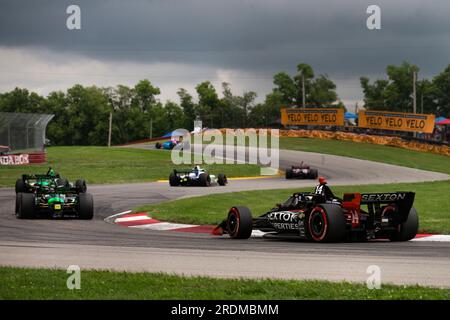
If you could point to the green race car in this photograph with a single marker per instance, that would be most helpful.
(52, 195)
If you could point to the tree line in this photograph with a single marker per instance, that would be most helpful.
(82, 113)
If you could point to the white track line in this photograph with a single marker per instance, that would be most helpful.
(435, 237)
(135, 218)
(118, 214)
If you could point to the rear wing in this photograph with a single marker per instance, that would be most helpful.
(403, 201)
(38, 176)
(182, 171)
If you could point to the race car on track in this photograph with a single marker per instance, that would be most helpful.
(50, 194)
(302, 171)
(168, 145)
(309, 216)
(196, 177)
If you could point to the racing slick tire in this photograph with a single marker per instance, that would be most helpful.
(313, 174)
(80, 185)
(326, 223)
(204, 179)
(86, 206)
(158, 145)
(26, 206)
(173, 180)
(289, 174)
(21, 186)
(408, 229)
(222, 179)
(240, 223)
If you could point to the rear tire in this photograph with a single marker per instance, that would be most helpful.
(158, 145)
(408, 229)
(63, 182)
(80, 185)
(326, 223)
(205, 180)
(86, 206)
(289, 174)
(173, 180)
(21, 186)
(240, 223)
(26, 206)
(222, 179)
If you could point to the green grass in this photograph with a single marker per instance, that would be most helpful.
(431, 202)
(113, 165)
(20, 283)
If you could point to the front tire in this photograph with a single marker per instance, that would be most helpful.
(222, 179)
(408, 229)
(326, 223)
(86, 206)
(313, 174)
(158, 145)
(240, 223)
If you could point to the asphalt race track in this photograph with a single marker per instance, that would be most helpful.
(100, 244)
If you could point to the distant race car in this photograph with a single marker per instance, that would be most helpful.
(302, 171)
(4, 150)
(168, 145)
(308, 216)
(196, 177)
(50, 194)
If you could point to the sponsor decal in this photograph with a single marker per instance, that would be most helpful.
(284, 220)
(312, 116)
(380, 197)
(14, 159)
(398, 121)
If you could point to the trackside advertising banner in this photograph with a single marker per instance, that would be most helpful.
(397, 121)
(312, 116)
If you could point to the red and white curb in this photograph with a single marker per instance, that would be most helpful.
(143, 221)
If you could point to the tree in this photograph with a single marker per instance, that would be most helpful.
(441, 88)
(322, 92)
(400, 88)
(319, 92)
(374, 94)
(286, 88)
(144, 95)
(174, 117)
(208, 101)
(188, 106)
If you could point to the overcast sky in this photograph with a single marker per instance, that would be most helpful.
(179, 43)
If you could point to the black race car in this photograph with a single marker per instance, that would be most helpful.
(302, 171)
(309, 216)
(196, 177)
(52, 195)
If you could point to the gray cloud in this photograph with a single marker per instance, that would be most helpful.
(257, 37)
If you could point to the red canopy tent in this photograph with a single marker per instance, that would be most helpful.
(441, 123)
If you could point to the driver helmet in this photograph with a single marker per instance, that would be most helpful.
(322, 180)
(51, 173)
